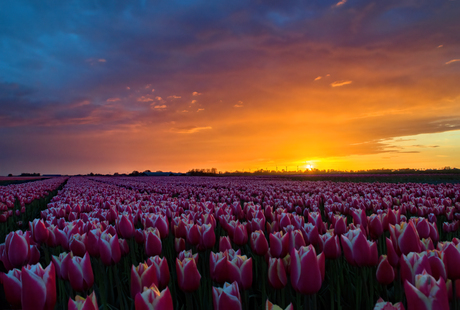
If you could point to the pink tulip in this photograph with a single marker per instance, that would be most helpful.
(80, 273)
(270, 306)
(40, 287)
(80, 303)
(385, 273)
(161, 268)
(405, 238)
(227, 298)
(188, 254)
(259, 243)
(218, 266)
(375, 224)
(276, 273)
(151, 299)
(310, 233)
(142, 276)
(60, 264)
(207, 237)
(17, 250)
(193, 234)
(393, 257)
(279, 244)
(152, 242)
(240, 270)
(240, 234)
(179, 244)
(438, 268)
(109, 248)
(224, 244)
(307, 270)
(39, 231)
(358, 250)
(92, 241)
(452, 260)
(77, 244)
(386, 305)
(157, 221)
(13, 286)
(427, 293)
(330, 245)
(315, 219)
(188, 276)
(413, 264)
(296, 239)
(125, 226)
(340, 224)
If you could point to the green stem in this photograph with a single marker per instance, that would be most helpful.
(189, 301)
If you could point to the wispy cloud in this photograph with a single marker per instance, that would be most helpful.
(195, 93)
(174, 97)
(340, 3)
(189, 130)
(200, 110)
(452, 61)
(144, 99)
(113, 99)
(160, 107)
(239, 104)
(340, 83)
(318, 78)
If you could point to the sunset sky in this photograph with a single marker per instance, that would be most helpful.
(176, 85)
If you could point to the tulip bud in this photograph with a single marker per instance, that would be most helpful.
(386, 305)
(188, 276)
(179, 244)
(80, 303)
(142, 276)
(427, 293)
(80, 273)
(276, 273)
(39, 287)
(259, 243)
(161, 268)
(151, 299)
(240, 270)
(385, 273)
(270, 306)
(224, 244)
(227, 297)
(279, 244)
(13, 287)
(152, 242)
(307, 270)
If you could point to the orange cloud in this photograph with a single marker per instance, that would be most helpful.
(318, 78)
(160, 107)
(452, 61)
(342, 2)
(190, 130)
(340, 83)
(239, 104)
(196, 93)
(144, 99)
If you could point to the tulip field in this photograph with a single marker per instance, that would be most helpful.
(228, 243)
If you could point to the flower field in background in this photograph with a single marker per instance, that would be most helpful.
(228, 243)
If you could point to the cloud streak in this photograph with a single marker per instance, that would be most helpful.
(340, 83)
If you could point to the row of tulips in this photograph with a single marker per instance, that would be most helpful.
(311, 256)
(20, 203)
